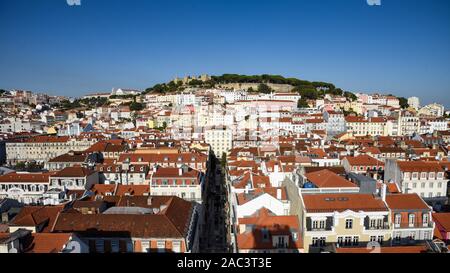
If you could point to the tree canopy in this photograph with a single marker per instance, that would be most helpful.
(403, 102)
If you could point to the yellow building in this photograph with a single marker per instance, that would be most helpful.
(343, 220)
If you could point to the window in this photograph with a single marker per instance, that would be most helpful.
(319, 224)
(318, 241)
(422, 185)
(425, 219)
(355, 240)
(415, 175)
(176, 246)
(414, 185)
(348, 223)
(373, 238)
(161, 245)
(99, 246)
(145, 246)
(411, 220)
(380, 239)
(347, 240)
(431, 175)
(114, 246)
(423, 175)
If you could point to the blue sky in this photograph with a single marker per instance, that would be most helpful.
(401, 47)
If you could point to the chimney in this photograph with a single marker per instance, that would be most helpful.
(279, 196)
(383, 192)
(180, 171)
(276, 168)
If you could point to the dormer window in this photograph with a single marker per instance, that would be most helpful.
(425, 219)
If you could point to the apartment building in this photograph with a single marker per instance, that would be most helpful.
(427, 179)
(160, 224)
(409, 123)
(43, 148)
(132, 174)
(27, 188)
(194, 160)
(343, 220)
(265, 232)
(411, 218)
(74, 178)
(335, 122)
(183, 182)
(221, 140)
(360, 126)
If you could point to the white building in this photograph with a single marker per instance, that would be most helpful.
(221, 140)
(427, 179)
(414, 102)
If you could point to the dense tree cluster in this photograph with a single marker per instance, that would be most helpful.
(264, 88)
(86, 102)
(163, 88)
(403, 102)
(309, 90)
(302, 103)
(136, 106)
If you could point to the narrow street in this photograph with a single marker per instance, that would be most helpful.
(214, 235)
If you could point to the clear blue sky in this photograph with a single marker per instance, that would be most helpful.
(400, 47)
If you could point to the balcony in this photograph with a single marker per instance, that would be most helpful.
(413, 225)
(384, 226)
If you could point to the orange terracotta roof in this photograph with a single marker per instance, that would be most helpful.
(328, 179)
(26, 177)
(75, 171)
(443, 219)
(419, 166)
(406, 201)
(363, 160)
(341, 202)
(275, 225)
(33, 216)
(48, 242)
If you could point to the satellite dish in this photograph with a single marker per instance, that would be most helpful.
(73, 247)
(13, 250)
